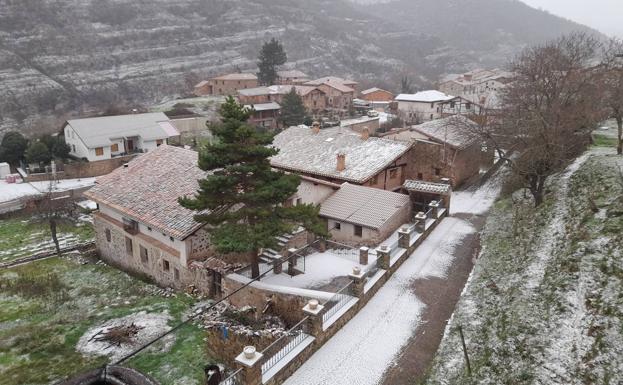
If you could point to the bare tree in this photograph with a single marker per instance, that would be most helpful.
(548, 112)
(53, 208)
(612, 82)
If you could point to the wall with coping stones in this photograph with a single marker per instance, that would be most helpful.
(225, 350)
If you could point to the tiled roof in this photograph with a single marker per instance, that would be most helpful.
(339, 84)
(428, 187)
(98, 132)
(457, 131)
(147, 189)
(373, 89)
(236, 76)
(291, 74)
(364, 206)
(301, 150)
(276, 90)
(425, 97)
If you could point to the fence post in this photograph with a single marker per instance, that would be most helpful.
(363, 255)
(420, 222)
(322, 245)
(314, 310)
(435, 206)
(250, 361)
(382, 260)
(358, 276)
(404, 237)
(278, 265)
(291, 260)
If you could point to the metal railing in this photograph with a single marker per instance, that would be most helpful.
(337, 301)
(234, 379)
(276, 351)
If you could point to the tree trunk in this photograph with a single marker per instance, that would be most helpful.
(54, 237)
(620, 135)
(537, 185)
(255, 264)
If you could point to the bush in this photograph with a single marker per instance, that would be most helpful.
(38, 152)
(12, 147)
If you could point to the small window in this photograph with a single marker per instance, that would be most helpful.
(432, 105)
(172, 239)
(108, 236)
(176, 274)
(468, 106)
(114, 147)
(420, 176)
(358, 231)
(148, 228)
(393, 174)
(338, 226)
(99, 151)
(165, 265)
(144, 254)
(74, 147)
(437, 171)
(128, 246)
(431, 117)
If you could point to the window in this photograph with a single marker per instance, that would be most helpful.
(176, 274)
(165, 265)
(148, 228)
(299, 201)
(358, 231)
(432, 105)
(393, 173)
(172, 239)
(108, 236)
(128, 246)
(338, 226)
(114, 147)
(420, 176)
(468, 106)
(437, 171)
(74, 147)
(99, 151)
(144, 254)
(431, 116)
(451, 104)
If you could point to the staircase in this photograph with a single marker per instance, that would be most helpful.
(270, 255)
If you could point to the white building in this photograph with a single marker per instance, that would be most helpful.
(422, 106)
(104, 137)
(479, 86)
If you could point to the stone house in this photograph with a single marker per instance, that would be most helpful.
(106, 137)
(422, 106)
(341, 155)
(291, 77)
(376, 95)
(228, 84)
(140, 226)
(359, 215)
(339, 93)
(313, 98)
(265, 115)
(446, 148)
(478, 86)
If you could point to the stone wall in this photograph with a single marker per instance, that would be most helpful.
(225, 350)
(77, 170)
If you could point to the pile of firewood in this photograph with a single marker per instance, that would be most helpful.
(117, 335)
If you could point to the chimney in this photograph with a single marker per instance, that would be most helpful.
(315, 127)
(365, 133)
(341, 162)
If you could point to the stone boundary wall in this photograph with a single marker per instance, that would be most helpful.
(77, 170)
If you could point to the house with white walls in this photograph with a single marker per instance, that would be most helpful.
(105, 137)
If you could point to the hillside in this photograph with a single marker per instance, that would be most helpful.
(80, 57)
(543, 305)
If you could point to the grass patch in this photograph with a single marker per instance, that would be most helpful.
(39, 327)
(604, 141)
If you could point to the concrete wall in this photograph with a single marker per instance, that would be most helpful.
(312, 193)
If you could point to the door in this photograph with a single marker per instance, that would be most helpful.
(130, 145)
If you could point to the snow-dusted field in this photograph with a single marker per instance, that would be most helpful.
(11, 191)
(367, 345)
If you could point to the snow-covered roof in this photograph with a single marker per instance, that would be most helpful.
(364, 206)
(276, 90)
(373, 89)
(427, 187)
(201, 83)
(236, 76)
(291, 74)
(148, 188)
(332, 79)
(425, 97)
(363, 119)
(264, 106)
(98, 132)
(457, 131)
(302, 150)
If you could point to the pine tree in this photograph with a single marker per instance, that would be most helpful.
(293, 111)
(271, 55)
(241, 198)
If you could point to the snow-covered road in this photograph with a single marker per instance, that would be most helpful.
(361, 352)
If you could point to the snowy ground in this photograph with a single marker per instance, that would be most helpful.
(11, 191)
(367, 345)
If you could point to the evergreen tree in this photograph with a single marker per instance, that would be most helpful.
(37, 152)
(271, 56)
(56, 145)
(293, 111)
(12, 147)
(241, 198)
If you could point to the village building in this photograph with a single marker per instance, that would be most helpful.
(359, 215)
(339, 93)
(141, 228)
(291, 77)
(422, 106)
(313, 98)
(376, 95)
(367, 124)
(228, 84)
(265, 115)
(341, 155)
(480, 86)
(445, 149)
(105, 137)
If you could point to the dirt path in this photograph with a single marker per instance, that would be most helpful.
(440, 296)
